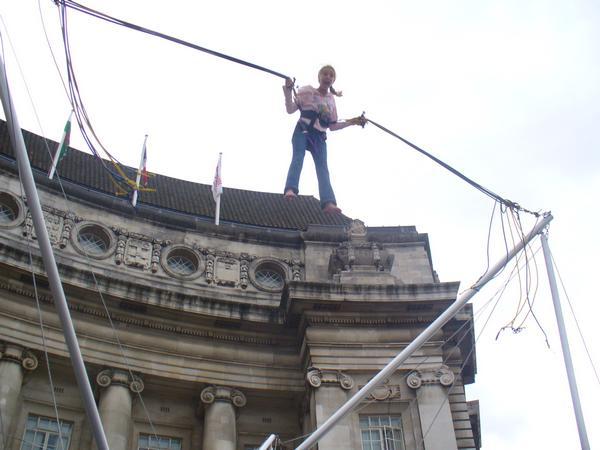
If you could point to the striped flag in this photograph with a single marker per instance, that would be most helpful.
(217, 190)
(62, 148)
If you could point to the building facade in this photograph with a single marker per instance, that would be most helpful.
(198, 337)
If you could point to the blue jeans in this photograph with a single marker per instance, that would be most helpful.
(315, 143)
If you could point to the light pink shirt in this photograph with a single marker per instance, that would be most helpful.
(310, 99)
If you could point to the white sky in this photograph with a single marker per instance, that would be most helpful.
(507, 92)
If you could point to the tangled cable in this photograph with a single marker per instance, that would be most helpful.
(114, 168)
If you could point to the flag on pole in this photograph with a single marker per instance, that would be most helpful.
(62, 148)
(217, 190)
(145, 175)
(142, 174)
(217, 187)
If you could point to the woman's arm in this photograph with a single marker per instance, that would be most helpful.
(290, 106)
(340, 125)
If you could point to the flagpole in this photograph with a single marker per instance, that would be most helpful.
(58, 294)
(218, 213)
(64, 140)
(138, 177)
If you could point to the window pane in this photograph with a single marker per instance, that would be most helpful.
(42, 434)
(377, 433)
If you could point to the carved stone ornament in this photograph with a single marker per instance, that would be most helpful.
(385, 392)
(357, 231)
(58, 224)
(120, 378)
(443, 376)
(19, 355)
(316, 377)
(213, 394)
(138, 250)
(296, 266)
(245, 260)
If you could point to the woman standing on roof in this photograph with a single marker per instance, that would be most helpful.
(317, 113)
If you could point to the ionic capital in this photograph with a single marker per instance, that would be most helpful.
(316, 377)
(19, 355)
(118, 377)
(443, 375)
(213, 394)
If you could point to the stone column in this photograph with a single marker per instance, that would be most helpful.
(14, 360)
(434, 409)
(219, 417)
(115, 405)
(330, 392)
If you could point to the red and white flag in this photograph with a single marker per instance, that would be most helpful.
(217, 189)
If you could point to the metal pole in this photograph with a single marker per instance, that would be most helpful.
(35, 208)
(564, 342)
(421, 339)
(268, 443)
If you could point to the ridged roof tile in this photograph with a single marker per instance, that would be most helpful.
(263, 209)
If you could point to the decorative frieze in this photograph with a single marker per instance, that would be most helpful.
(443, 375)
(316, 377)
(213, 394)
(119, 377)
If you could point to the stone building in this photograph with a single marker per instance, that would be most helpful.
(203, 337)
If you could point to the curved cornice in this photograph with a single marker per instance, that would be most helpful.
(148, 323)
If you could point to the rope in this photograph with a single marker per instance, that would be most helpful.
(489, 193)
(99, 15)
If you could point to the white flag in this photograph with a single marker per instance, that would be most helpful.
(217, 190)
(217, 186)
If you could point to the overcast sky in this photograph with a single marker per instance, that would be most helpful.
(507, 92)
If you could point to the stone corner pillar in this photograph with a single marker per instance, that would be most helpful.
(14, 361)
(330, 391)
(220, 432)
(115, 405)
(434, 409)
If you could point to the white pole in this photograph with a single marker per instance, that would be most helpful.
(218, 212)
(421, 339)
(58, 294)
(138, 177)
(268, 443)
(564, 342)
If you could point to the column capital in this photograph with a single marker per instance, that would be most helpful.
(316, 377)
(119, 377)
(19, 355)
(442, 375)
(213, 394)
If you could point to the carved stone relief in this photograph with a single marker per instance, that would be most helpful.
(58, 224)
(138, 250)
(316, 377)
(443, 375)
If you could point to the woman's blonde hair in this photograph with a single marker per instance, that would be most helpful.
(331, 89)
